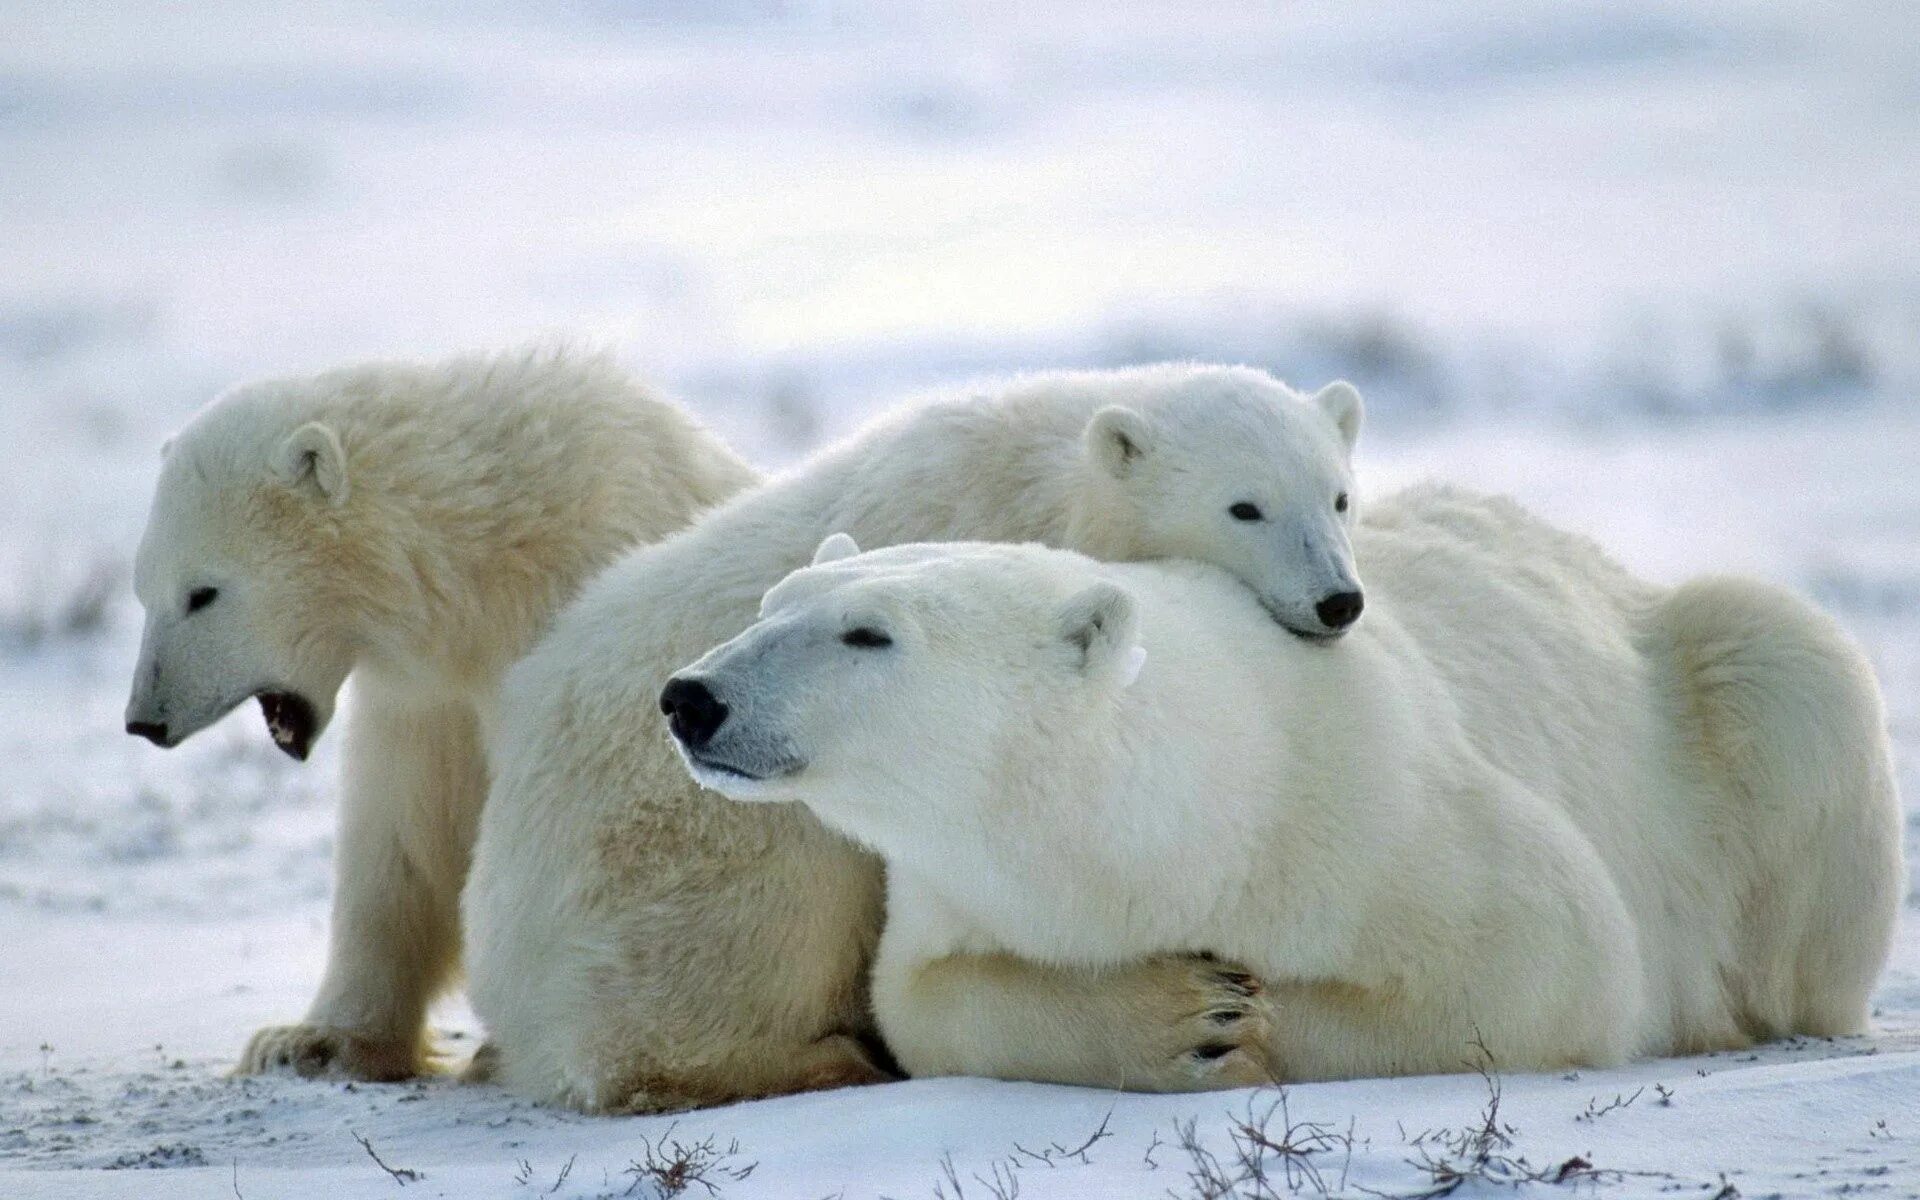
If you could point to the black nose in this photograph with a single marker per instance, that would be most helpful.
(1340, 609)
(694, 713)
(157, 734)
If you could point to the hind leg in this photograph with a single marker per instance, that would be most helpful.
(828, 1063)
(680, 981)
(1787, 718)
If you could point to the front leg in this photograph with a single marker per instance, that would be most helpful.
(1171, 1023)
(414, 782)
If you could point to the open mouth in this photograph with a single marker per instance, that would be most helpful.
(291, 722)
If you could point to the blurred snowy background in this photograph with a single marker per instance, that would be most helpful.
(1652, 266)
(1625, 224)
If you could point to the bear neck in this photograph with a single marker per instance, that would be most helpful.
(1099, 518)
(1009, 828)
(442, 610)
(1098, 514)
(467, 525)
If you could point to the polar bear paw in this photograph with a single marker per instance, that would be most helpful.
(1217, 1023)
(321, 1052)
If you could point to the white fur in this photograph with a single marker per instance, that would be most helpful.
(413, 526)
(1531, 800)
(637, 943)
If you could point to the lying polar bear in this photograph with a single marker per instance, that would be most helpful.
(634, 944)
(413, 526)
(1530, 799)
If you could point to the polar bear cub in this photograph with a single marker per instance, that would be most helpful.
(412, 526)
(1554, 833)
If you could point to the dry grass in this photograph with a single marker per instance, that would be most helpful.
(674, 1167)
(1270, 1154)
(402, 1176)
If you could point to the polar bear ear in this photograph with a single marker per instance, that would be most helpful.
(1100, 625)
(1116, 438)
(1341, 402)
(836, 547)
(312, 454)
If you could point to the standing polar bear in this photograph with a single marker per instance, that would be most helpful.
(637, 944)
(1531, 799)
(413, 527)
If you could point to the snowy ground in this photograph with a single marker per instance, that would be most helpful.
(163, 913)
(1648, 266)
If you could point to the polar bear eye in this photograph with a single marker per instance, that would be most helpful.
(866, 638)
(200, 597)
(1244, 512)
(1340, 502)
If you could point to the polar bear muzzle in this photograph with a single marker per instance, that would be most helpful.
(1339, 610)
(694, 714)
(729, 754)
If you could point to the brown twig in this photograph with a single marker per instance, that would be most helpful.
(402, 1176)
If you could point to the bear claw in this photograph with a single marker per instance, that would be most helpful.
(311, 1051)
(1237, 981)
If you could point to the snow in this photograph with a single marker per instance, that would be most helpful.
(1650, 267)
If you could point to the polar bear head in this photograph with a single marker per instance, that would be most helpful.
(960, 656)
(245, 572)
(1228, 466)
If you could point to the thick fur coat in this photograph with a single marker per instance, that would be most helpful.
(636, 943)
(1530, 801)
(413, 527)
